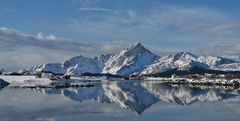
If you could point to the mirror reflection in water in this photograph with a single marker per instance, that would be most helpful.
(128, 99)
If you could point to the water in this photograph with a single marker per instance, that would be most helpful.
(118, 101)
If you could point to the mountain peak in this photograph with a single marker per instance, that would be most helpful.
(184, 55)
(130, 60)
(138, 46)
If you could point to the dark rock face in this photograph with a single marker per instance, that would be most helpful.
(1, 71)
(3, 84)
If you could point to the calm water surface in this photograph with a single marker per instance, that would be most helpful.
(118, 101)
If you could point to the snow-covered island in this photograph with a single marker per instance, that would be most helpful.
(134, 63)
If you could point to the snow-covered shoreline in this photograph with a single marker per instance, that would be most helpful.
(215, 81)
(25, 80)
(32, 81)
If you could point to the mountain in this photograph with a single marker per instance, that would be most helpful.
(129, 61)
(28, 71)
(233, 57)
(79, 65)
(56, 68)
(228, 67)
(180, 61)
(76, 65)
(212, 61)
(136, 60)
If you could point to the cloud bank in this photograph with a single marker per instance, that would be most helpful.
(20, 50)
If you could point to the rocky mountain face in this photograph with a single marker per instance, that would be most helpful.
(1, 71)
(136, 60)
(130, 61)
(228, 67)
(212, 61)
(233, 57)
(180, 61)
(78, 65)
(56, 68)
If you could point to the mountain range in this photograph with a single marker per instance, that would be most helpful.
(136, 60)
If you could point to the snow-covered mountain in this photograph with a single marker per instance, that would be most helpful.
(180, 61)
(213, 61)
(56, 68)
(134, 60)
(80, 64)
(28, 71)
(228, 67)
(233, 57)
(76, 65)
(130, 61)
(186, 61)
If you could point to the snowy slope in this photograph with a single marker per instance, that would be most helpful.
(80, 64)
(233, 57)
(76, 65)
(186, 61)
(28, 71)
(181, 61)
(135, 60)
(213, 61)
(56, 68)
(129, 61)
(228, 67)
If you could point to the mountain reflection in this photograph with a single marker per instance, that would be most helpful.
(138, 96)
(3, 84)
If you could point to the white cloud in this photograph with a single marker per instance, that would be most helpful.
(86, 3)
(95, 9)
(222, 49)
(41, 36)
(20, 50)
(225, 27)
(12, 39)
(157, 23)
(166, 27)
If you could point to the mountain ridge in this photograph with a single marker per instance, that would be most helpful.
(136, 60)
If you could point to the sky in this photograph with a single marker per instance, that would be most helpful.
(34, 32)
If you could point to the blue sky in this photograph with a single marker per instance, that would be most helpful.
(39, 31)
